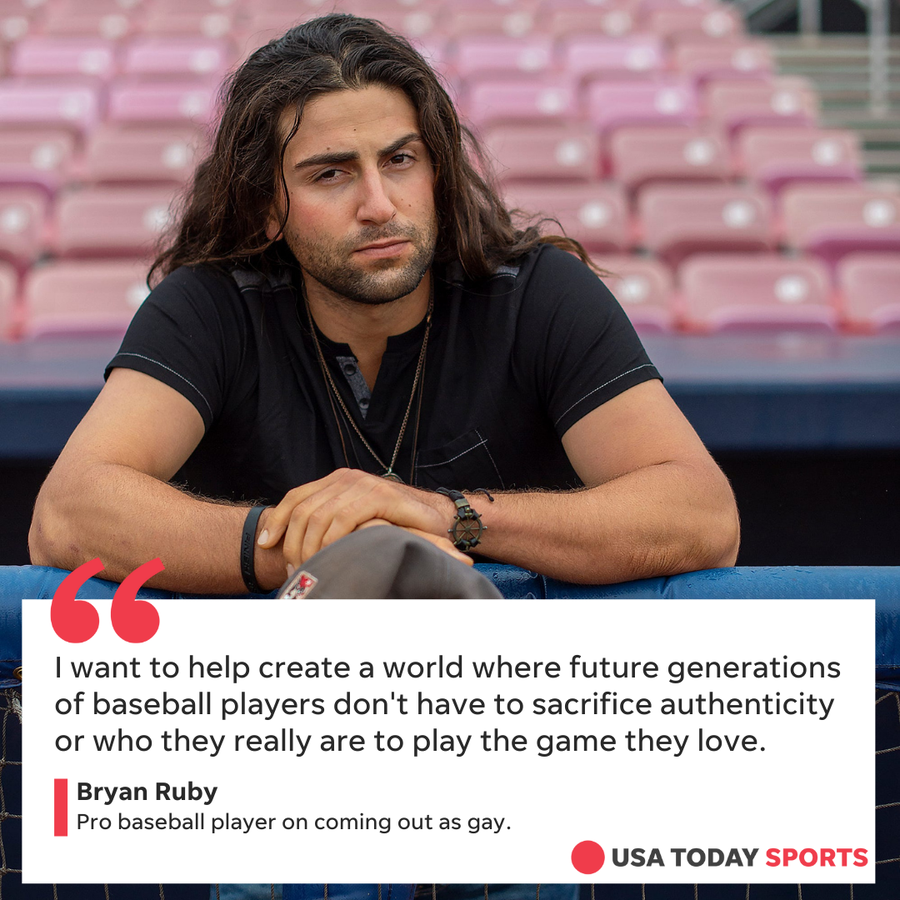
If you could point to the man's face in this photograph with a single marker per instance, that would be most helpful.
(362, 221)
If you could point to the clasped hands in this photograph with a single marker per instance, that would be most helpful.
(314, 515)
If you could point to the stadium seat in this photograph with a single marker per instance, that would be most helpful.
(598, 56)
(613, 104)
(518, 21)
(718, 23)
(23, 214)
(111, 221)
(777, 157)
(594, 214)
(784, 101)
(639, 156)
(413, 22)
(535, 152)
(75, 107)
(613, 18)
(680, 220)
(830, 221)
(172, 102)
(107, 19)
(520, 100)
(49, 55)
(79, 298)
(200, 21)
(645, 7)
(870, 287)
(477, 54)
(42, 158)
(174, 55)
(17, 19)
(723, 59)
(8, 287)
(643, 287)
(738, 291)
(141, 155)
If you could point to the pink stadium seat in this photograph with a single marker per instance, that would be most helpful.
(643, 287)
(78, 297)
(743, 59)
(17, 21)
(680, 220)
(642, 155)
(522, 100)
(870, 285)
(42, 55)
(200, 21)
(75, 107)
(413, 22)
(162, 101)
(776, 157)
(515, 21)
(544, 152)
(719, 23)
(784, 101)
(648, 6)
(597, 56)
(594, 214)
(111, 221)
(476, 54)
(571, 18)
(726, 291)
(107, 19)
(23, 213)
(833, 220)
(41, 157)
(141, 155)
(192, 56)
(613, 104)
(8, 289)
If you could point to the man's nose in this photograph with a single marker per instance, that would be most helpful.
(375, 205)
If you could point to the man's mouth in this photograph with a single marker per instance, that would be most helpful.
(384, 249)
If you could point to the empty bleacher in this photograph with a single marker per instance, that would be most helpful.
(653, 130)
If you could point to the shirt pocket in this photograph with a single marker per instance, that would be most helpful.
(462, 465)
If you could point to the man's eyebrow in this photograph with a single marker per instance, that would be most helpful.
(335, 158)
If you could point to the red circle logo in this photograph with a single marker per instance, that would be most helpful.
(588, 857)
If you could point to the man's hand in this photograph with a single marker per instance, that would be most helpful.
(317, 514)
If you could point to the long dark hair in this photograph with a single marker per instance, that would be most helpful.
(226, 208)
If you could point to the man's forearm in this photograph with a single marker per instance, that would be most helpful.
(659, 520)
(126, 517)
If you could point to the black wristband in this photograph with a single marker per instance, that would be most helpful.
(467, 527)
(248, 547)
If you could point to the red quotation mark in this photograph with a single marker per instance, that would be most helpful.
(133, 620)
(588, 857)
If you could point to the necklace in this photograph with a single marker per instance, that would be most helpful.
(334, 394)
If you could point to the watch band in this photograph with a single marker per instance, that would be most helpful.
(248, 545)
(467, 527)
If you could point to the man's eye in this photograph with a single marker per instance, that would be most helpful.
(328, 175)
(398, 159)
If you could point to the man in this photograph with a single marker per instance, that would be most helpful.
(346, 298)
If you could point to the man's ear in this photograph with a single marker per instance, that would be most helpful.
(273, 226)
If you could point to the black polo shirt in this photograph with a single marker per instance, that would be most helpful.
(512, 363)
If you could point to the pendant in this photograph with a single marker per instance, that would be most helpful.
(392, 476)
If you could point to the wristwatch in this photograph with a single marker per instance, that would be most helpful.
(467, 527)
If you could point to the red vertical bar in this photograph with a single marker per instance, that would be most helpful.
(60, 807)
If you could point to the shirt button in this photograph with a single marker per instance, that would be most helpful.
(349, 369)
(364, 402)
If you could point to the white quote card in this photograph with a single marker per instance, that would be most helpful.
(436, 741)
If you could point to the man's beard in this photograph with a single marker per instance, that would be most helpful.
(382, 281)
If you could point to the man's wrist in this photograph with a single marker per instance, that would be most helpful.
(466, 528)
